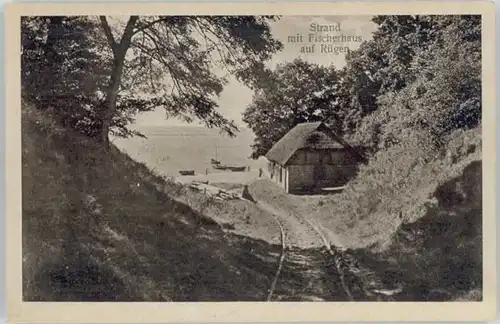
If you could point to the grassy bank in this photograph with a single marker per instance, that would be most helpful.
(416, 207)
(439, 255)
(98, 226)
(401, 183)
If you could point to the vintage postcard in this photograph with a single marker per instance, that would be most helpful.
(228, 162)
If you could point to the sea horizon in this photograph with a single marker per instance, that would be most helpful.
(170, 149)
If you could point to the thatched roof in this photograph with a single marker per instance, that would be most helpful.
(306, 135)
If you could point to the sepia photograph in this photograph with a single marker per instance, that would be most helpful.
(252, 157)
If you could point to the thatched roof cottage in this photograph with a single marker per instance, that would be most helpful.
(311, 157)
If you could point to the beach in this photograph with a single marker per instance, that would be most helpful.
(168, 150)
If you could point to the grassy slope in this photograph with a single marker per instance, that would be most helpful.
(97, 226)
(236, 216)
(398, 186)
(420, 213)
(438, 256)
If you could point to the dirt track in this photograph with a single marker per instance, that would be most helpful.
(297, 212)
(299, 233)
(312, 263)
(302, 231)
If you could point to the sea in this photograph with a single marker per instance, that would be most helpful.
(170, 149)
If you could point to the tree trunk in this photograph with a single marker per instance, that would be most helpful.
(109, 109)
(119, 51)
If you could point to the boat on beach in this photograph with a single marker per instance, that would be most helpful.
(230, 168)
(216, 161)
(216, 164)
(237, 168)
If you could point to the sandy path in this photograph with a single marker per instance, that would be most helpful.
(298, 232)
(306, 232)
(296, 213)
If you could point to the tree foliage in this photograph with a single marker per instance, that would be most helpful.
(143, 63)
(61, 70)
(416, 74)
(425, 75)
(423, 130)
(293, 93)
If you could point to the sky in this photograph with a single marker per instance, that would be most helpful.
(236, 97)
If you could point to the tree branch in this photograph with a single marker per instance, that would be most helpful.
(108, 33)
(224, 40)
(148, 25)
(156, 55)
(129, 31)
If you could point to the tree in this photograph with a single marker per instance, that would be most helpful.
(359, 88)
(446, 96)
(293, 93)
(418, 72)
(142, 64)
(61, 70)
(383, 64)
(172, 60)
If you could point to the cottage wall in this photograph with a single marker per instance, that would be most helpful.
(306, 171)
(278, 174)
(301, 177)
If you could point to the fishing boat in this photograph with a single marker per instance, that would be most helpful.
(237, 168)
(216, 164)
(187, 172)
(215, 161)
(219, 167)
(230, 168)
